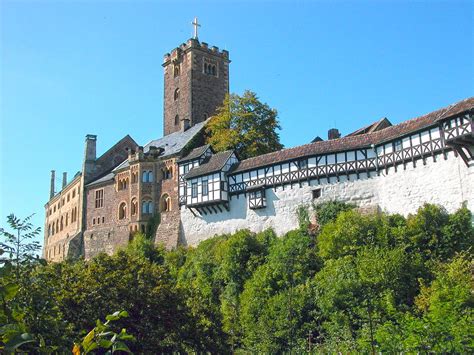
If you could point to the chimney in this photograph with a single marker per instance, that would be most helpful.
(185, 125)
(90, 149)
(51, 191)
(89, 156)
(333, 133)
(64, 179)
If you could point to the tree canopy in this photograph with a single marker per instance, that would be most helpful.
(246, 125)
(365, 283)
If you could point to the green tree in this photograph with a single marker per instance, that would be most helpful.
(276, 304)
(443, 321)
(19, 243)
(246, 125)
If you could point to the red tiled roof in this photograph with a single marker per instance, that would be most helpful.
(357, 141)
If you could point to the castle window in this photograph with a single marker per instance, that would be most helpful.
(209, 67)
(176, 120)
(133, 206)
(68, 197)
(397, 145)
(176, 70)
(147, 207)
(257, 199)
(147, 176)
(62, 223)
(176, 94)
(167, 173)
(103, 219)
(316, 193)
(73, 193)
(93, 221)
(49, 230)
(134, 177)
(67, 219)
(57, 226)
(165, 203)
(99, 198)
(205, 187)
(194, 189)
(122, 210)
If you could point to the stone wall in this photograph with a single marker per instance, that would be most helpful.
(168, 230)
(199, 93)
(445, 182)
(59, 211)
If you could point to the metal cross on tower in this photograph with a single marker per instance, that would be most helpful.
(196, 25)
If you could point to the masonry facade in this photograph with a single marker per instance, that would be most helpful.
(179, 191)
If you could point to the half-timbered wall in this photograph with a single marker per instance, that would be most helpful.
(397, 176)
(216, 183)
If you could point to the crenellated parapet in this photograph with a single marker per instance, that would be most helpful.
(194, 44)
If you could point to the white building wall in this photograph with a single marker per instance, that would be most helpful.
(445, 182)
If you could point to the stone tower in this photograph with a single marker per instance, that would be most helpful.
(196, 82)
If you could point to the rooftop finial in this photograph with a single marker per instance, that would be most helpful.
(196, 25)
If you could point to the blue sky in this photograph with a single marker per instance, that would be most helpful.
(72, 68)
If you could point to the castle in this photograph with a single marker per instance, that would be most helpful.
(192, 193)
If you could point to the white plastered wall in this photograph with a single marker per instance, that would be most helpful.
(445, 182)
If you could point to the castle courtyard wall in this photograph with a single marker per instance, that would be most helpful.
(443, 182)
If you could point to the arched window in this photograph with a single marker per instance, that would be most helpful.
(122, 210)
(165, 203)
(67, 219)
(176, 70)
(57, 226)
(133, 207)
(213, 70)
(176, 94)
(49, 230)
(150, 176)
(176, 120)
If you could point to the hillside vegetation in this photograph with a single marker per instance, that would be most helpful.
(354, 283)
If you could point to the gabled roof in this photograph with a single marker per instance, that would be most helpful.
(194, 154)
(215, 163)
(357, 141)
(376, 126)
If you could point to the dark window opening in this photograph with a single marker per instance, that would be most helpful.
(316, 193)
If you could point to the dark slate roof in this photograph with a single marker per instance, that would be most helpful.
(194, 154)
(172, 143)
(215, 163)
(376, 126)
(104, 178)
(357, 141)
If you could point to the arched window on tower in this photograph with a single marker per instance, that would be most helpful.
(165, 203)
(133, 207)
(122, 210)
(176, 70)
(176, 94)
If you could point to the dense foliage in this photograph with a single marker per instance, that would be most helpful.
(356, 283)
(246, 125)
